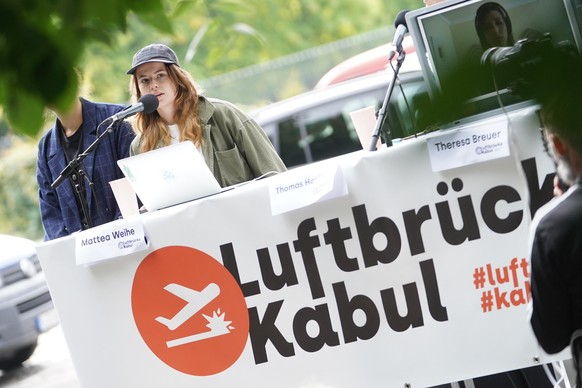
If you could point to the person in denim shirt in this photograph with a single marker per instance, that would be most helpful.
(73, 132)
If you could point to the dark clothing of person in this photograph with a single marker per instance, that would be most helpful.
(60, 209)
(556, 270)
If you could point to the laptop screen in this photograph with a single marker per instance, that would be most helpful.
(169, 176)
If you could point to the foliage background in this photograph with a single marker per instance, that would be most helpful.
(286, 45)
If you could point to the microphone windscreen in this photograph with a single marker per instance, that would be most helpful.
(150, 103)
(401, 19)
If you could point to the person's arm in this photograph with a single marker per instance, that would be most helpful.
(50, 210)
(550, 317)
(235, 129)
(259, 151)
(253, 142)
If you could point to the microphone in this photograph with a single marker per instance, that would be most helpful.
(147, 104)
(401, 30)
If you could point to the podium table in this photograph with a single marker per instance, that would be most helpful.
(402, 273)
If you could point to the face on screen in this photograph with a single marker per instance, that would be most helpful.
(494, 29)
(462, 31)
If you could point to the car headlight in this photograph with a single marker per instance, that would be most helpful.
(27, 267)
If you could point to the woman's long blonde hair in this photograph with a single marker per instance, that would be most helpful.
(151, 126)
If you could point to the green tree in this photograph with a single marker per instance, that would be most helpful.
(19, 214)
(41, 43)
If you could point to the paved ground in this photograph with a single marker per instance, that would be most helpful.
(49, 367)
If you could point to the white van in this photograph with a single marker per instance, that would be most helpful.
(316, 125)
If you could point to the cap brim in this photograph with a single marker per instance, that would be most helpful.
(132, 70)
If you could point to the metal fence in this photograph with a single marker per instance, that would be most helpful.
(260, 84)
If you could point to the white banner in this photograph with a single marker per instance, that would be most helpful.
(414, 277)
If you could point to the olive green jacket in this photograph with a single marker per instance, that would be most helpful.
(234, 146)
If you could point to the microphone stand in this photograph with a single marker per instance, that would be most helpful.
(382, 112)
(80, 189)
(75, 163)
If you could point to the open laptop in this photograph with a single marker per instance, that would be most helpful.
(169, 175)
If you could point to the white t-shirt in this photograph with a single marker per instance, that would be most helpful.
(174, 134)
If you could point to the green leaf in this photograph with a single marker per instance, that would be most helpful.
(25, 112)
(152, 12)
(157, 20)
(230, 6)
(184, 6)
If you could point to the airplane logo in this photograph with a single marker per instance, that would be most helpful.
(197, 300)
(181, 291)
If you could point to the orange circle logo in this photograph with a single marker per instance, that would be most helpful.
(189, 310)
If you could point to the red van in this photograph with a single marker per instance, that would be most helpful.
(368, 62)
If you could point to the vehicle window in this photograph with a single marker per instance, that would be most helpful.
(403, 110)
(291, 147)
(329, 128)
(273, 135)
(323, 131)
(330, 137)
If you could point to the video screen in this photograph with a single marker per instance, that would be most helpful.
(460, 32)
